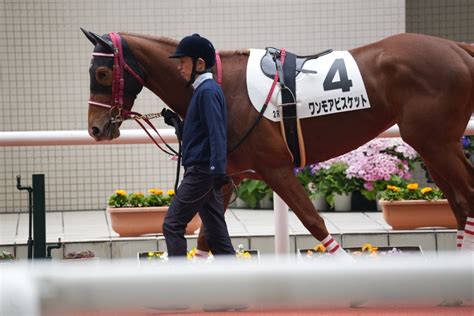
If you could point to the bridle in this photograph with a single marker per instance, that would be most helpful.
(116, 110)
(118, 81)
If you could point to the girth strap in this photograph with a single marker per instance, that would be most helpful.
(290, 124)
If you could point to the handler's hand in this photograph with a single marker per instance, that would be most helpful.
(171, 118)
(219, 180)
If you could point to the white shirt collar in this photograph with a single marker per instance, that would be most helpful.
(201, 78)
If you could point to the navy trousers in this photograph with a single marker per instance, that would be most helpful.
(187, 202)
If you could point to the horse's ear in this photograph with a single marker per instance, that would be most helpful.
(89, 36)
(97, 39)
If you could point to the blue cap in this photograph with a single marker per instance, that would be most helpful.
(195, 46)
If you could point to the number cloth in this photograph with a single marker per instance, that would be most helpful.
(336, 87)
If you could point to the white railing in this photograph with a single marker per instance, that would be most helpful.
(138, 136)
(135, 136)
(59, 288)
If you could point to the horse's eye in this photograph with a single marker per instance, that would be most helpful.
(104, 76)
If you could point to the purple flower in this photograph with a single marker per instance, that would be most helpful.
(465, 141)
(377, 160)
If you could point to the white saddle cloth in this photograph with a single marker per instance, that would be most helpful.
(311, 97)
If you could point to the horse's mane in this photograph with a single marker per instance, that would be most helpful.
(173, 42)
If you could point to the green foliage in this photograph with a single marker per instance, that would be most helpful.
(167, 199)
(154, 200)
(136, 199)
(5, 255)
(335, 181)
(252, 191)
(381, 185)
(120, 198)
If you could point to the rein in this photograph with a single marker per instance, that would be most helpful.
(117, 112)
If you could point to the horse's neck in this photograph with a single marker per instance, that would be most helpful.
(162, 75)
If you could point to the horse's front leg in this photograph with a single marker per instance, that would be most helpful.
(228, 189)
(286, 185)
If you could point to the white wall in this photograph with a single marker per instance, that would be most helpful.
(44, 82)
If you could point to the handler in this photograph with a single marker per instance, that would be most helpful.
(204, 152)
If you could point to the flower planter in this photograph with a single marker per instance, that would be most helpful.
(137, 221)
(342, 202)
(266, 203)
(248, 254)
(152, 257)
(411, 214)
(320, 203)
(239, 203)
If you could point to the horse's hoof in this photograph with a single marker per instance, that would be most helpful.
(452, 302)
(224, 308)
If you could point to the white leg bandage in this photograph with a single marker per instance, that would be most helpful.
(459, 238)
(468, 240)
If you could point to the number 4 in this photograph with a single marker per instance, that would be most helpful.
(344, 83)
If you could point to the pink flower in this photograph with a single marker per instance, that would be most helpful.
(369, 186)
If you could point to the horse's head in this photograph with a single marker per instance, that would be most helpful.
(116, 78)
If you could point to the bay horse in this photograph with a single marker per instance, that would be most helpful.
(422, 83)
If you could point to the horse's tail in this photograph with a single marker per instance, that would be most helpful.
(469, 48)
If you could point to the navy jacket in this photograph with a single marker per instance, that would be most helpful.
(205, 128)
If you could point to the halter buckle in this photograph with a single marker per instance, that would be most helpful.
(116, 117)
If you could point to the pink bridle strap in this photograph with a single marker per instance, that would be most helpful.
(218, 68)
(275, 79)
(118, 78)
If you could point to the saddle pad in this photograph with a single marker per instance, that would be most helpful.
(337, 87)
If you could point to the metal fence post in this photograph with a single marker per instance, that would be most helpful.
(39, 217)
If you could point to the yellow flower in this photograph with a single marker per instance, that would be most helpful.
(243, 255)
(155, 191)
(138, 194)
(373, 254)
(393, 188)
(412, 186)
(426, 190)
(191, 254)
(320, 248)
(369, 248)
(121, 192)
(151, 253)
(171, 192)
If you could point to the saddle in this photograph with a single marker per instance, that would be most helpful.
(272, 54)
(271, 64)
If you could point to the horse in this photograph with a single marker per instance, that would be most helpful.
(422, 83)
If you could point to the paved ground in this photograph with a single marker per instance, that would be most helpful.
(254, 229)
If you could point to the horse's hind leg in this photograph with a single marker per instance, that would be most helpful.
(458, 213)
(451, 168)
(285, 184)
